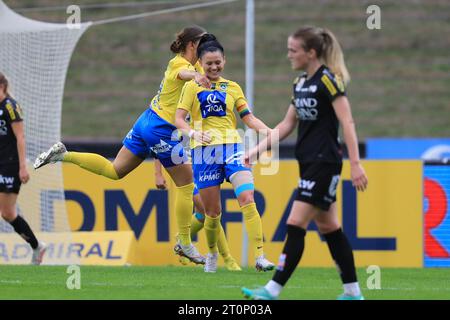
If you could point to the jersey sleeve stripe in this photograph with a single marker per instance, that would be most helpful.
(243, 110)
(327, 82)
(10, 109)
(241, 107)
(244, 113)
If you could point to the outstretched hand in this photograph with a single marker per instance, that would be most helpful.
(250, 157)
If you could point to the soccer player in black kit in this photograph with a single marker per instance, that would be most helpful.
(13, 169)
(319, 104)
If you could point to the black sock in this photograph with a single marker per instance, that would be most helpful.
(292, 253)
(342, 254)
(23, 229)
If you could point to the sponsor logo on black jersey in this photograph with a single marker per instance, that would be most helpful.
(3, 128)
(312, 88)
(306, 184)
(299, 85)
(306, 108)
(6, 180)
(333, 185)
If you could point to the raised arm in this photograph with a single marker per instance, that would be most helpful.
(343, 112)
(198, 77)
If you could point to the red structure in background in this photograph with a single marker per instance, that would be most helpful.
(435, 215)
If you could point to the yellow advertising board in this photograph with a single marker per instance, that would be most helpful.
(383, 224)
(113, 248)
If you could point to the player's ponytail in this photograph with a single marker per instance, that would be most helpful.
(5, 83)
(327, 48)
(182, 38)
(333, 56)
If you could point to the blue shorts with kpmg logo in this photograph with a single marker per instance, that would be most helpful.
(212, 164)
(153, 135)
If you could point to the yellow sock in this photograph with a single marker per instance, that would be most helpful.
(254, 227)
(92, 162)
(183, 212)
(212, 226)
(222, 243)
(196, 225)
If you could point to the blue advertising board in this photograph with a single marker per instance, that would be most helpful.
(407, 148)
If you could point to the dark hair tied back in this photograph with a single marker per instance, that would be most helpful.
(208, 43)
(207, 37)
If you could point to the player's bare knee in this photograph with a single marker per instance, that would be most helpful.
(325, 228)
(297, 223)
(213, 213)
(8, 215)
(119, 176)
(198, 204)
(246, 198)
(213, 210)
(298, 220)
(120, 172)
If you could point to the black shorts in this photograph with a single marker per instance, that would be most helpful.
(318, 183)
(9, 178)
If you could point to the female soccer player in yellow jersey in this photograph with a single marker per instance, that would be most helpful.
(152, 133)
(197, 223)
(217, 150)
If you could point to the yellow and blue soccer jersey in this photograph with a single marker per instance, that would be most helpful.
(212, 109)
(164, 104)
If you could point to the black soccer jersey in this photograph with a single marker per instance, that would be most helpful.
(9, 112)
(317, 136)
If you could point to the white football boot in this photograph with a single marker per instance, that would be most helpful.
(262, 264)
(211, 262)
(38, 253)
(54, 154)
(189, 252)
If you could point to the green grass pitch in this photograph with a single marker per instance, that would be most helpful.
(191, 283)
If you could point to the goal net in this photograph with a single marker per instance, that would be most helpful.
(35, 56)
